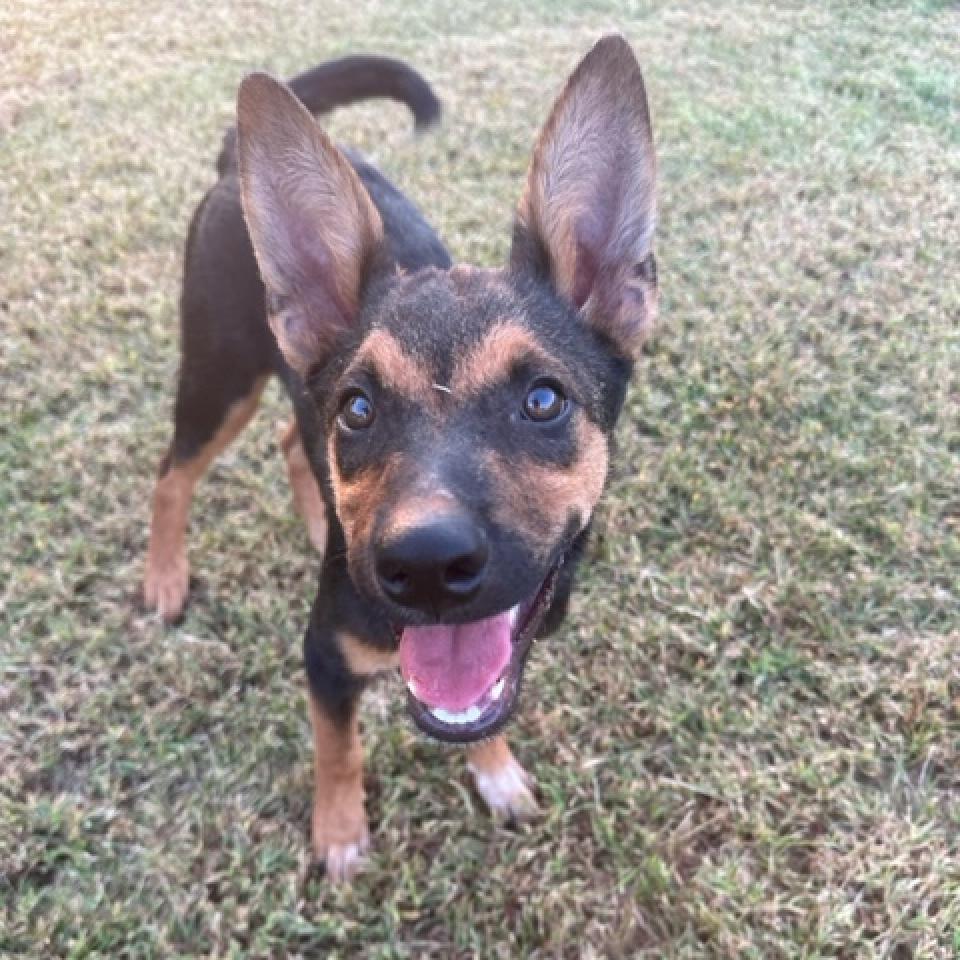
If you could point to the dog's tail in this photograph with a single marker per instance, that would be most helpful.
(338, 83)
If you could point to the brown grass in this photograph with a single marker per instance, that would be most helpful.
(747, 738)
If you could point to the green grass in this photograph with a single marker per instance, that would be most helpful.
(747, 738)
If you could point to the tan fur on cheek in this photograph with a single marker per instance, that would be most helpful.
(358, 500)
(537, 500)
(354, 498)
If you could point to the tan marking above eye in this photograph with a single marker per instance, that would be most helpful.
(394, 367)
(494, 357)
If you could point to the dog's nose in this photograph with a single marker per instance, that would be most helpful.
(435, 565)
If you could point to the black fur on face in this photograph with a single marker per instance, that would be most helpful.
(443, 364)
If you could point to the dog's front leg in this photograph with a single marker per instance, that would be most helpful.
(338, 822)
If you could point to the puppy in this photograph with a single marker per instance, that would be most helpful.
(452, 423)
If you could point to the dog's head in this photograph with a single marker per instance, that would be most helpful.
(467, 412)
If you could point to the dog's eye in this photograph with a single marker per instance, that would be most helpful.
(545, 401)
(356, 410)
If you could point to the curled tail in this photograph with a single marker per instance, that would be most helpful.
(347, 80)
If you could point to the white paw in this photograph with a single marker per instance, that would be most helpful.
(165, 587)
(343, 860)
(506, 790)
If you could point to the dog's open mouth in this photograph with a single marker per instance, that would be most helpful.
(463, 679)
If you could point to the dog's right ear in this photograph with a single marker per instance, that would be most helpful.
(313, 226)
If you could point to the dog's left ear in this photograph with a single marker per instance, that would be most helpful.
(586, 218)
(314, 229)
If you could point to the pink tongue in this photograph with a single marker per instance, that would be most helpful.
(453, 666)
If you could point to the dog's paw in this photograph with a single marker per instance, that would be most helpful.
(506, 789)
(340, 836)
(342, 859)
(165, 587)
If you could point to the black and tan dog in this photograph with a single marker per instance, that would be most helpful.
(452, 424)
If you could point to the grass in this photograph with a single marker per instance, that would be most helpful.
(747, 738)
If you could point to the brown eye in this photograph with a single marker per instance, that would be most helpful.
(544, 401)
(356, 410)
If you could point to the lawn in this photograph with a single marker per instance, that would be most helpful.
(747, 737)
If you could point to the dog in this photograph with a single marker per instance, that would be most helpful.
(452, 424)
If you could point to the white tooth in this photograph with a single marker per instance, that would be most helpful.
(498, 688)
(456, 719)
(514, 615)
(412, 687)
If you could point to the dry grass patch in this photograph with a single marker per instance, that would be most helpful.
(747, 737)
